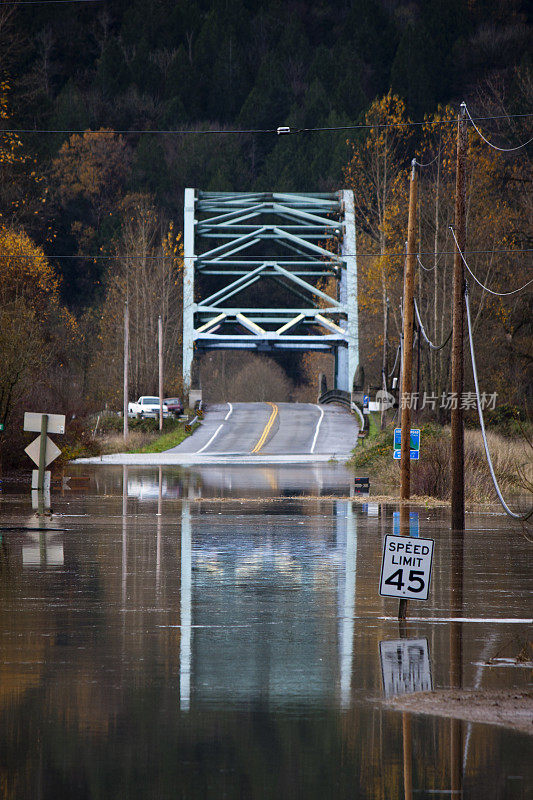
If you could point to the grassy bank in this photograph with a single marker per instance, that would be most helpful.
(430, 476)
(144, 437)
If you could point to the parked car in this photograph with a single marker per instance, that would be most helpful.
(147, 406)
(174, 405)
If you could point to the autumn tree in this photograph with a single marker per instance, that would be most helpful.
(377, 164)
(146, 272)
(502, 324)
(88, 178)
(35, 330)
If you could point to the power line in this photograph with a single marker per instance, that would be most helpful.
(220, 132)
(429, 163)
(501, 149)
(424, 334)
(288, 257)
(497, 294)
(506, 508)
(44, 2)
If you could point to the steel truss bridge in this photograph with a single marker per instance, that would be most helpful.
(243, 247)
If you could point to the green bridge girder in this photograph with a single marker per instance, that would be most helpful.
(304, 242)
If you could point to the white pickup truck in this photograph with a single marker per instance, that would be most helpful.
(146, 406)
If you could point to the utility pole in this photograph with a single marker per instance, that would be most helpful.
(160, 349)
(385, 362)
(457, 441)
(126, 360)
(407, 366)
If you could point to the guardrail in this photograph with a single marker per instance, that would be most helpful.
(336, 396)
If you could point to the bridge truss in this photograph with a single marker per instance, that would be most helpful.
(242, 251)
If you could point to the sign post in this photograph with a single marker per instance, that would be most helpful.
(43, 451)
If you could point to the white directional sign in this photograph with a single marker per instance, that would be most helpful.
(56, 422)
(33, 449)
(406, 567)
(405, 666)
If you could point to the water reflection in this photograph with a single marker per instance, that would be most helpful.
(235, 649)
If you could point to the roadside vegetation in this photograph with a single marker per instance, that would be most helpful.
(509, 445)
(144, 437)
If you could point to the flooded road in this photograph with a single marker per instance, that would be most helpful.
(218, 633)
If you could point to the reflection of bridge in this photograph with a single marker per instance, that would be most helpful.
(287, 245)
(278, 664)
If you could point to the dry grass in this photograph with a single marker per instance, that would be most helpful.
(114, 442)
(512, 460)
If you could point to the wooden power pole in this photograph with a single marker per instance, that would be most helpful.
(407, 361)
(457, 439)
(160, 354)
(407, 366)
(126, 360)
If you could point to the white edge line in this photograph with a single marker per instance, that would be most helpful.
(206, 445)
(317, 428)
(210, 440)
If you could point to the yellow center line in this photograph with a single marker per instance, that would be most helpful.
(268, 426)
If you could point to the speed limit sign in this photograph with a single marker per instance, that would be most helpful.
(406, 567)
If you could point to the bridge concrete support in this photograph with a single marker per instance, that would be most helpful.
(347, 357)
(268, 240)
(188, 290)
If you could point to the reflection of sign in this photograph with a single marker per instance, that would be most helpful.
(52, 451)
(406, 567)
(405, 666)
(55, 424)
(414, 443)
(414, 527)
(35, 480)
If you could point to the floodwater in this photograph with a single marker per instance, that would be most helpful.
(218, 633)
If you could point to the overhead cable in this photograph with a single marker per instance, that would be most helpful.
(428, 163)
(490, 291)
(287, 257)
(391, 373)
(482, 422)
(424, 334)
(502, 149)
(278, 130)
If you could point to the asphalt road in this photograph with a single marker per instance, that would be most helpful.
(266, 429)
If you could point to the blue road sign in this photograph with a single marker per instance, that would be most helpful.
(414, 443)
(415, 455)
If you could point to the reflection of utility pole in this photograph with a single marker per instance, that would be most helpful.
(347, 621)
(457, 429)
(407, 756)
(124, 532)
(158, 540)
(456, 655)
(185, 607)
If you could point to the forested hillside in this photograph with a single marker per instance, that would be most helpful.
(157, 78)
